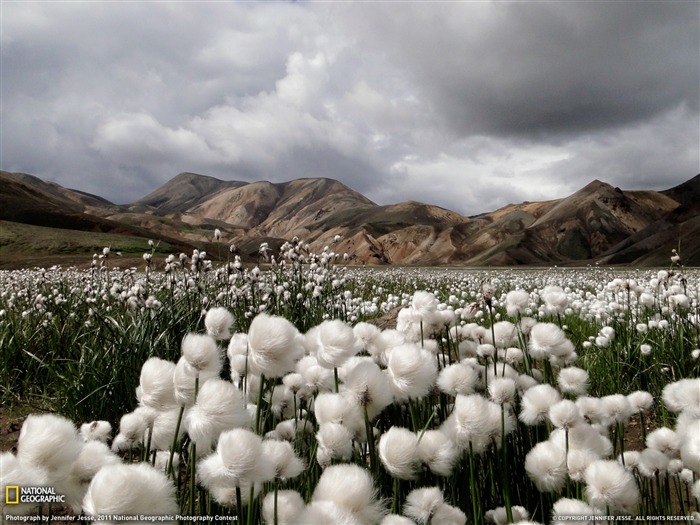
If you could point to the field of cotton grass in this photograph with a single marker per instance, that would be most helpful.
(302, 391)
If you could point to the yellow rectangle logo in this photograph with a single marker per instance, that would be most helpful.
(10, 500)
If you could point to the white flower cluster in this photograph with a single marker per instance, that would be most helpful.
(336, 384)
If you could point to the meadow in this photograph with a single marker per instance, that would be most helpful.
(304, 391)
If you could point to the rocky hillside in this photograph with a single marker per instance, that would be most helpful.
(597, 224)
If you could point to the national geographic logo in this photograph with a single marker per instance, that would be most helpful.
(14, 495)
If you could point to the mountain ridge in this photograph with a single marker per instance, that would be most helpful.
(598, 223)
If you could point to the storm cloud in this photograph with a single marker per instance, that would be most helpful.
(467, 105)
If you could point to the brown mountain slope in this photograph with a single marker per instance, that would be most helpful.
(25, 199)
(592, 220)
(404, 233)
(679, 229)
(279, 210)
(54, 191)
(183, 192)
(598, 223)
(688, 195)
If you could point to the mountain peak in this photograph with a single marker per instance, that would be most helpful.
(594, 186)
(185, 191)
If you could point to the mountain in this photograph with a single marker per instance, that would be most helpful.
(53, 220)
(597, 224)
(183, 192)
(678, 229)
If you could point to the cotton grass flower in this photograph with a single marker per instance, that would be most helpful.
(350, 487)
(476, 423)
(398, 452)
(629, 459)
(290, 505)
(641, 401)
(696, 490)
(368, 336)
(412, 372)
(577, 461)
(573, 380)
(565, 414)
(396, 519)
(338, 408)
(15, 473)
(652, 462)
(683, 395)
(437, 452)
(675, 466)
(517, 302)
(227, 496)
(424, 302)
(238, 460)
(93, 456)
(132, 490)
(485, 350)
(690, 446)
(458, 378)
(132, 428)
(547, 339)
(513, 356)
(49, 442)
(545, 465)
(504, 334)
(618, 408)
(386, 340)
(610, 487)
(449, 515)
(664, 440)
(501, 371)
(422, 504)
(285, 463)
(156, 389)
(218, 322)
(369, 388)
(592, 409)
(536, 403)
(565, 508)
(427, 505)
(334, 443)
(273, 346)
(336, 342)
(96, 431)
(163, 461)
(498, 516)
(294, 383)
(220, 406)
(325, 512)
(187, 379)
(582, 437)
(163, 428)
(316, 377)
(524, 382)
(502, 390)
(555, 299)
(291, 428)
(201, 353)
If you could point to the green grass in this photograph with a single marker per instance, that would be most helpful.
(23, 239)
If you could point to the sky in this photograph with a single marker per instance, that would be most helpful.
(469, 105)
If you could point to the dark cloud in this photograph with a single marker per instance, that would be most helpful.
(466, 105)
(544, 68)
